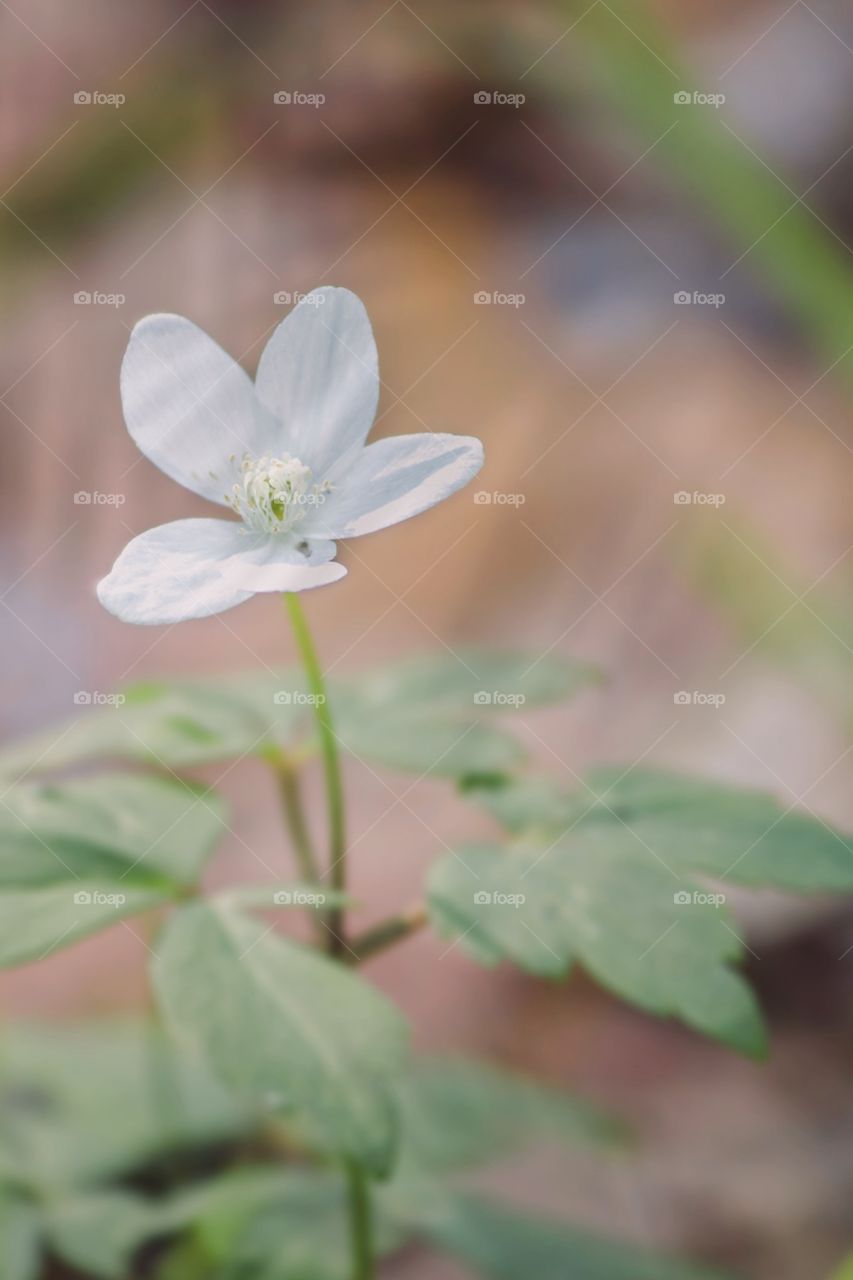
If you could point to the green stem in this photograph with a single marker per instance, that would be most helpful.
(361, 1222)
(294, 813)
(329, 748)
(388, 932)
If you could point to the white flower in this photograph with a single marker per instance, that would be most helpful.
(286, 454)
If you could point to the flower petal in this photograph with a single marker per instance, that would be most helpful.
(191, 408)
(319, 374)
(193, 568)
(394, 479)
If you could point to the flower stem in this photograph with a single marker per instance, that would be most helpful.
(331, 763)
(361, 1222)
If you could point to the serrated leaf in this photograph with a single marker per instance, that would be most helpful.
(285, 1026)
(504, 1244)
(81, 1104)
(592, 897)
(459, 1113)
(110, 827)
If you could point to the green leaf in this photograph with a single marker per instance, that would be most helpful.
(845, 1271)
(425, 715)
(78, 856)
(504, 1244)
(100, 1231)
(110, 826)
(599, 897)
(285, 1027)
(174, 724)
(85, 1103)
(688, 824)
(457, 1114)
(20, 1237)
(273, 1223)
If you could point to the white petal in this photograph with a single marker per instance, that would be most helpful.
(193, 568)
(191, 408)
(319, 374)
(394, 479)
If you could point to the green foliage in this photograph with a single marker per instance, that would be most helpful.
(285, 1027)
(604, 876)
(503, 1245)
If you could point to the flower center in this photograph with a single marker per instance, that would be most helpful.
(274, 494)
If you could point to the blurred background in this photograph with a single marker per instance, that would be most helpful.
(611, 239)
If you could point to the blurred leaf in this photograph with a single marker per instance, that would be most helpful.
(845, 1271)
(20, 1244)
(626, 57)
(99, 1100)
(686, 824)
(593, 897)
(273, 1223)
(504, 1244)
(285, 1026)
(457, 1114)
(425, 715)
(100, 1231)
(110, 826)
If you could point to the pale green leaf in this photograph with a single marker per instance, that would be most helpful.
(285, 1027)
(20, 1237)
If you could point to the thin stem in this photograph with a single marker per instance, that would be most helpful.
(361, 1222)
(329, 748)
(388, 932)
(294, 813)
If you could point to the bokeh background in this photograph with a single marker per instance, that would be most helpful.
(578, 166)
